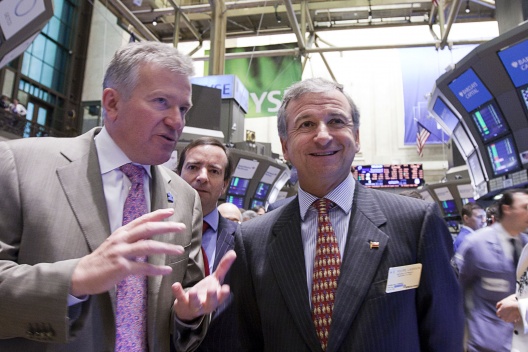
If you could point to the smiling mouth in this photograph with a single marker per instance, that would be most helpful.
(324, 153)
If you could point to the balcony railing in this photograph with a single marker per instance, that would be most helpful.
(21, 127)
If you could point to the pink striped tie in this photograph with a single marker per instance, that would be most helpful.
(131, 311)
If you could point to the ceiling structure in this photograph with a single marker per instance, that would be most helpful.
(174, 21)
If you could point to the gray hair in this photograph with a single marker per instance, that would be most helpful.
(122, 73)
(311, 85)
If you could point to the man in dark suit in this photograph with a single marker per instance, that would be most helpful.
(205, 164)
(64, 251)
(366, 271)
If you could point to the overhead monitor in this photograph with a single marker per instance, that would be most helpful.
(238, 186)
(489, 121)
(523, 94)
(262, 190)
(445, 114)
(256, 203)
(443, 193)
(475, 169)
(470, 90)
(503, 156)
(468, 200)
(461, 138)
(449, 208)
(238, 201)
(394, 175)
(515, 61)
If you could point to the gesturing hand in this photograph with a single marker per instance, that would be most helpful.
(113, 260)
(206, 295)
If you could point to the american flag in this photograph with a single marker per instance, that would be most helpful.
(422, 135)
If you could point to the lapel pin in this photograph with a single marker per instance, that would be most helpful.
(373, 245)
(170, 198)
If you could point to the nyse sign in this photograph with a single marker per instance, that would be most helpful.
(15, 15)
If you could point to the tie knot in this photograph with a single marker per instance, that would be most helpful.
(133, 172)
(323, 205)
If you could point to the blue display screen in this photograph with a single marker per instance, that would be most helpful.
(523, 92)
(515, 61)
(262, 190)
(503, 156)
(238, 201)
(470, 90)
(449, 207)
(238, 186)
(256, 203)
(468, 200)
(489, 121)
(379, 176)
(444, 113)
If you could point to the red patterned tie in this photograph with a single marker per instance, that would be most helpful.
(325, 273)
(131, 310)
(205, 226)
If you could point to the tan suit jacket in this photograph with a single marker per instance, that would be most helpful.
(52, 212)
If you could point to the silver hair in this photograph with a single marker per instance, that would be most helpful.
(122, 73)
(311, 85)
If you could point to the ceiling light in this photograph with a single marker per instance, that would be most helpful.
(468, 10)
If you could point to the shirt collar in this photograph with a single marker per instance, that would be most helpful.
(110, 155)
(342, 195)
(212, 219)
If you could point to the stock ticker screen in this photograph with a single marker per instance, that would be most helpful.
(379, 176)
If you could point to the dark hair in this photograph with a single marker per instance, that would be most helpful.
(468, 208)
(411, 194)
(507, 199)
(207, 141)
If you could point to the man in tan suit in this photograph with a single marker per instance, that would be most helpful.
(63, 248)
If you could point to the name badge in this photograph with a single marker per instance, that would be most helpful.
(404, 278)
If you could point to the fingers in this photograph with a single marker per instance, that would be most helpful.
(148, 225)
(150, 247)
(225, 264)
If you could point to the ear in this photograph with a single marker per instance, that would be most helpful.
(358, 147)
(110, 102)
(284, 149)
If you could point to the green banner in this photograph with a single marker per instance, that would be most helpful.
(266, 78)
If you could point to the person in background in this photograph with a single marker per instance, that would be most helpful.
(259, 209)
(322, 273)
(230, 212)
(491, 214)
(77, 257)
(487, 262)
(5, 103)
(205, 164)
(248, 215)
(18, 108)
(473, 218)
(514, 308)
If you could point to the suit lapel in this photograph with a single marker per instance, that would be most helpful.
(287, 261)
(225, 240)
(83, 186)
(360, 263)
(158, 196)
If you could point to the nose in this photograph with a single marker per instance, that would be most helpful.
(175, 119)
(202, 175)
(322, 134)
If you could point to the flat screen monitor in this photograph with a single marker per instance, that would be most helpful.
(515, 61)
(449, 208)
(523, 94)
(256, 203)
(470, 90)
(503, 156)
(467, 200)
(461, 138)
(238, 201)
(238, 186)
(445, 114)
(489, 121)
(262, 190)
(475, 169)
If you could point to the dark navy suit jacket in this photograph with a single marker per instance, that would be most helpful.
(270, 285)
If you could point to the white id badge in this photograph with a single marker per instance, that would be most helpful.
(404, 277)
